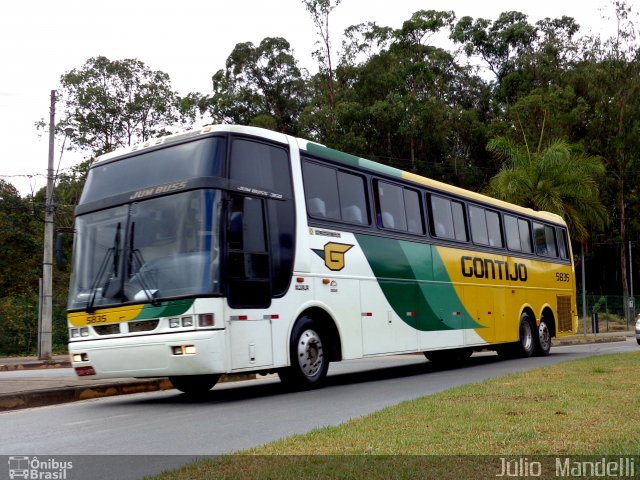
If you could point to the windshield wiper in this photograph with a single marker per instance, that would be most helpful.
(112, 252)
(136, 254)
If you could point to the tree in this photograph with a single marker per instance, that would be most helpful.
(260, 86)
(558, 178)
(608, 78)
(498, 43)
(20, 237)
(115, 103)
(320, 10)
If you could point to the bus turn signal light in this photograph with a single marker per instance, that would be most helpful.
(206, 320)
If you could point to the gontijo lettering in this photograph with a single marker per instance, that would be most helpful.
(492, 269)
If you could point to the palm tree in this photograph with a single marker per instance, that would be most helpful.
(559, 179)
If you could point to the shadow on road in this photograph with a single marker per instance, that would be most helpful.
(267, 387)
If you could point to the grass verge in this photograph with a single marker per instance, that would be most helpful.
(583, 407)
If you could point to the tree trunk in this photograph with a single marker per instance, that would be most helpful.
(623, 250)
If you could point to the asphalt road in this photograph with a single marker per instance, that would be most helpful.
(158, 430)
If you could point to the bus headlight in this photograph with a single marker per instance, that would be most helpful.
(184, 350)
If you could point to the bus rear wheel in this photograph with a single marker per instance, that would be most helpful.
(542, 345)
(525, 346)
(309, 364)
(194, 384)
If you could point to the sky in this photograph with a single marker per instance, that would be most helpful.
(190, 40)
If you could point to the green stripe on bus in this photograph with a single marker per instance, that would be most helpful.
(352, 160)
(415, 282)
(165, 309)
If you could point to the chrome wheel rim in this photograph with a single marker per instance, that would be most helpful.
(310, 354)
(545, 336)
(527, 336)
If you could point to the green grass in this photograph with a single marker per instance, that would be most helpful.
(583, 407)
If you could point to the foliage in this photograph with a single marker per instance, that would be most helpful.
(261, 86)
(116, 103)
(549, 112)
(21, 235)
(558, 179)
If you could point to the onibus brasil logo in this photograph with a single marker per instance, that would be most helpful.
(33, 468)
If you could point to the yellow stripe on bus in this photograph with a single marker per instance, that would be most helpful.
(104, 316)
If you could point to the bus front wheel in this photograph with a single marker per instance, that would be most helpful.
(309, 364)
(194, 384)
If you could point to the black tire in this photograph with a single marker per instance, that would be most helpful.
(526, 344)
(309, 364)
(638, 340)
(542, 343)
(194, 384)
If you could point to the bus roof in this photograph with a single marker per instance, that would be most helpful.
(334, 155)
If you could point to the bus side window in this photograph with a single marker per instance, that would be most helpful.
(413, 208)
(478, 222)
(512, 233)
(353, 198)
(485, 227)
(550, 236)
(562, 244)
(332, 194)
(494, 229)
(321, 191)
(391, 202)
(525, 235)
(448, 219)
(545, 240)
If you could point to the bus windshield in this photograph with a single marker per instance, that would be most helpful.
(147, 251)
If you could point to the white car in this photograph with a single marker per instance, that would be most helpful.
(638, 329)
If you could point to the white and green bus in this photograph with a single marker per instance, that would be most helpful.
(235, 249)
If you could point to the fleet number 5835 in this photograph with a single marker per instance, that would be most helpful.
(562, 277)
(92, 319)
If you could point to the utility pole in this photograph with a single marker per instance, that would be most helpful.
(632, 303)
(44, 344)
(584, 289)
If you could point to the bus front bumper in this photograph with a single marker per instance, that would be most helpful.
(187, 353)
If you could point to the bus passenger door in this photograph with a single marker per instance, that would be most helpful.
(249, 283)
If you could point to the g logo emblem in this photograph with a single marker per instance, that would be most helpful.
(333, 255)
